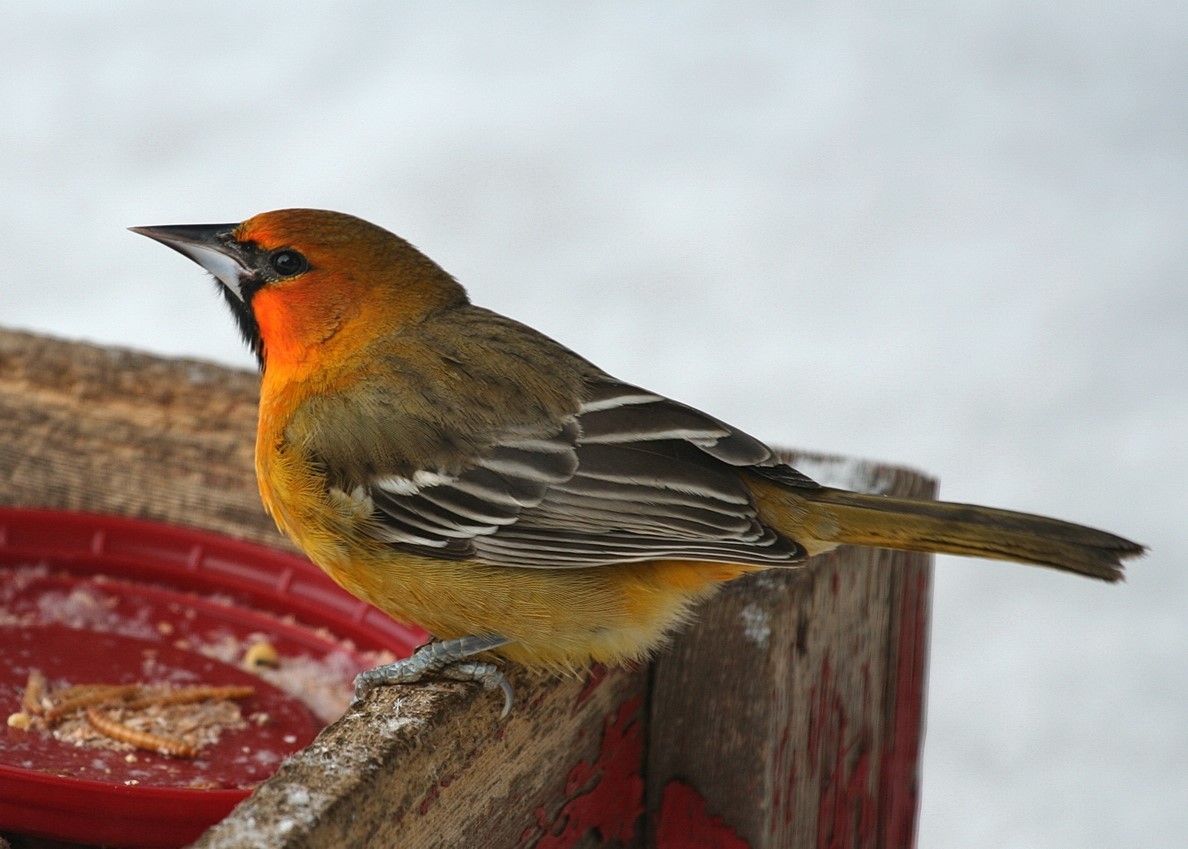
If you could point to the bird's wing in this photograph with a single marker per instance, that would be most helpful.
(633, 476)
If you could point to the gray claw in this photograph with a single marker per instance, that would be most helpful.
(445, 658)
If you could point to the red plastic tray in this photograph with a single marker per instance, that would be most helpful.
(88, 598)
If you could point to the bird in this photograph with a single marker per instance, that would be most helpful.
(466, 473)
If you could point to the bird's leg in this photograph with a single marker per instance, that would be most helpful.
(446, 658)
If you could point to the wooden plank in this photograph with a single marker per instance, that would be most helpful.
(112, 431)
(435, 766)
(790, 714)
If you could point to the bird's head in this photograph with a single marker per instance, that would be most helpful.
(294, 278)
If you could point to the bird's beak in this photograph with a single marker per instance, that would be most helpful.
(213, 246)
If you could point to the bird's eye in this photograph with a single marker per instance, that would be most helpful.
(288, 263)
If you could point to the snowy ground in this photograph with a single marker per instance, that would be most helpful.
(952, 236)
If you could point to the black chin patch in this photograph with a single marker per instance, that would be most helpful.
(244, 318)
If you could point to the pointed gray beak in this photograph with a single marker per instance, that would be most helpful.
(210, 245)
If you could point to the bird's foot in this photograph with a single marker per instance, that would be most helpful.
(445, 658)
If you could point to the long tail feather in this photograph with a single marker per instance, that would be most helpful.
(838, 516)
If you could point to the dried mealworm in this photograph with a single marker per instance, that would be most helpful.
(76, 690)
(168, 746)
(189, 695)
(34, 693)
(92, 696)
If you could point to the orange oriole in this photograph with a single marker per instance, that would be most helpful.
(463, 472)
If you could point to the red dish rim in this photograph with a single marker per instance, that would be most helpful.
(192, 561)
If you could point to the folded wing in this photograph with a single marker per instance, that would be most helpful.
(633, 476)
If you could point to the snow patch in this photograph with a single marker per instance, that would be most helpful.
(756, 625)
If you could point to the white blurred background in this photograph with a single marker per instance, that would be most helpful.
(947, 235)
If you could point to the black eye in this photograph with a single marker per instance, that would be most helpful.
(288, 263)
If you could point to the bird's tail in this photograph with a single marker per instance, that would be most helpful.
(831, 517)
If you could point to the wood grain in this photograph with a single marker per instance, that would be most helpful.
(112, 431)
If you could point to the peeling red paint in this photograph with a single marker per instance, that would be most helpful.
(684, 822)
(865, 789)
(434, 793)
(430, 798)
(899, 786)
(847, 807)
(604, 796)
(784, 764)
(539, 699)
